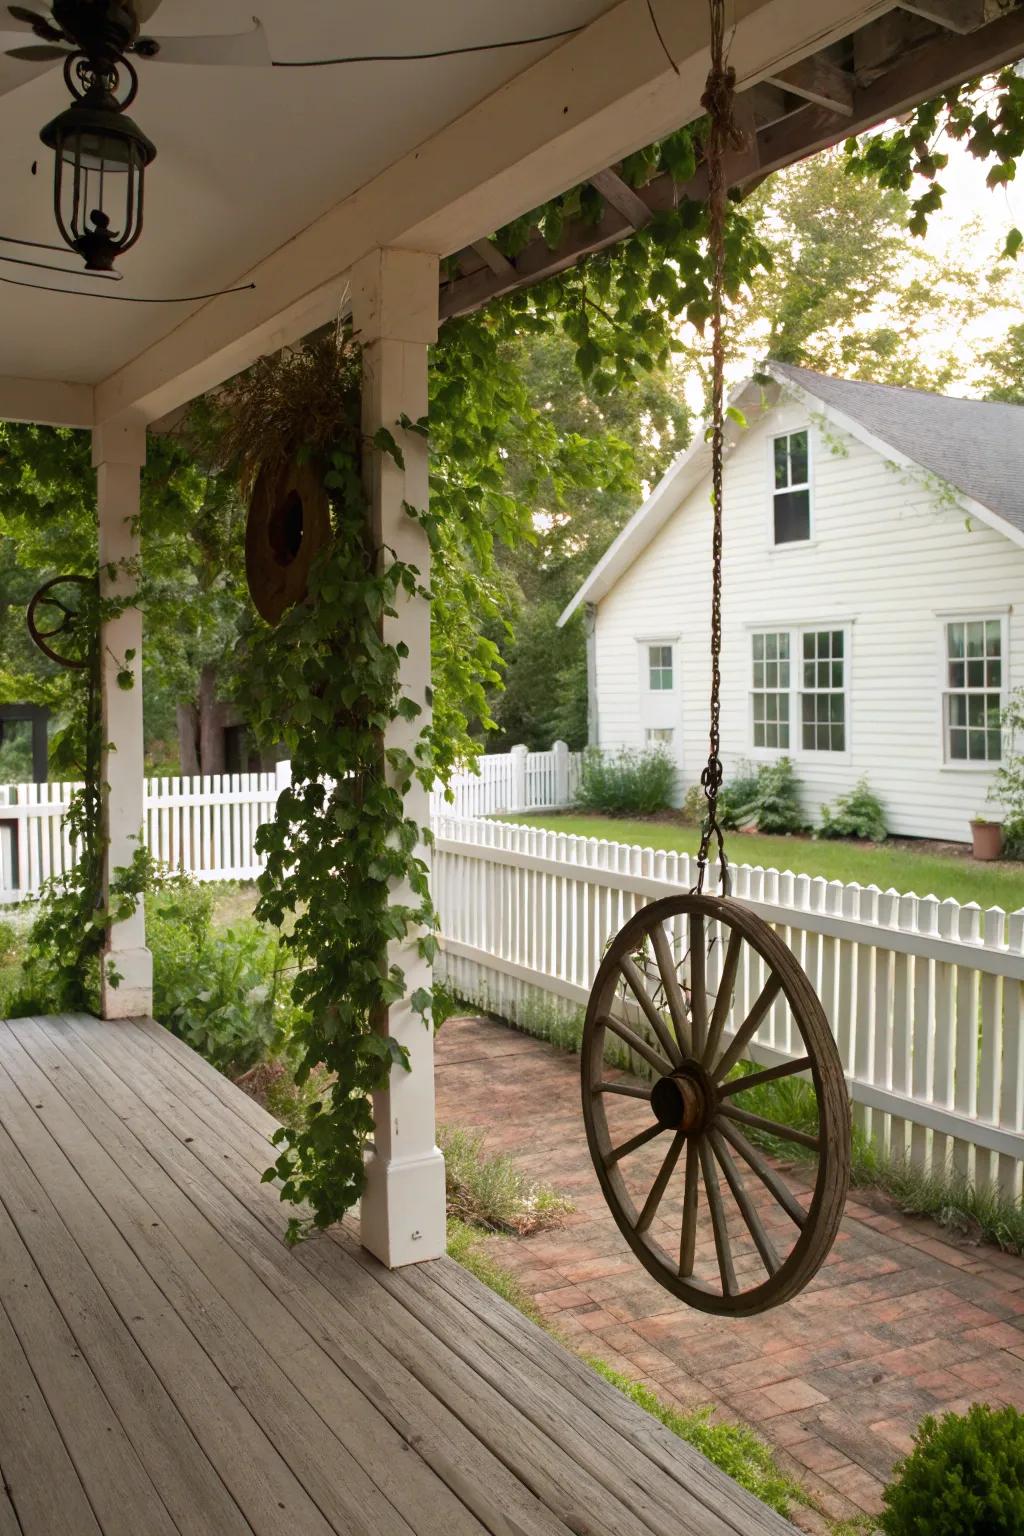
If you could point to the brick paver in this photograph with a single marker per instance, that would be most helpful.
(903, 1319)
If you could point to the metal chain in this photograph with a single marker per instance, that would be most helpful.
(723, 135)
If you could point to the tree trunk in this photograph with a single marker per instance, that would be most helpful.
(211, 723)
(188, 740)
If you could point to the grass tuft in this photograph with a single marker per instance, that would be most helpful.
(488, 1191)
(737, 1450)
(467, 1247)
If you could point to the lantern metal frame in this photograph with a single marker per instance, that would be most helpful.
(97, 114)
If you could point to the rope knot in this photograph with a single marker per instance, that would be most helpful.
(717, 101)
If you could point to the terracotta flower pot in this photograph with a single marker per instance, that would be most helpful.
(987, 837)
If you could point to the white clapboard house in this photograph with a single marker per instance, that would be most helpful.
(874, 597)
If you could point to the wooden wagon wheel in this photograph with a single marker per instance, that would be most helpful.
(686, 984)
(62, 623)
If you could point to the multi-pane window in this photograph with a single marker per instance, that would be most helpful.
(658, 736)
(823, 691)
(974, 683)
(792, 489)
(770, 695)
(659, 668)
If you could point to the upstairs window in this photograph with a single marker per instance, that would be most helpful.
(770, 694)
(792, 489)
(974, 691)
(659, 668)
(823, 691)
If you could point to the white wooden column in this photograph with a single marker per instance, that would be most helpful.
(394, 311)
(118, 454)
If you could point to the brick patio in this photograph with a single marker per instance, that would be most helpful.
(903, 1320)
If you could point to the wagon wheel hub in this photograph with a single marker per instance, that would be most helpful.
(685, 1101)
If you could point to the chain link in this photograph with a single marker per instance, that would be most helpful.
(717, 101)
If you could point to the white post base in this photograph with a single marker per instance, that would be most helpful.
(132, 997)
(402, 1218)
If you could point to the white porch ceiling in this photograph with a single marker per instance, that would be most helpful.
(246, 157)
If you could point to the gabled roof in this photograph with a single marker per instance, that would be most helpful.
(975, 446)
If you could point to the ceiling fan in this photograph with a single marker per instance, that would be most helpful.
(100, 154)
(112, 28)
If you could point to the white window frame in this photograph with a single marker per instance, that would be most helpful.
(808, 486)
(786, 693)
(659, 736)
(946, 617)
(796, 632)
(646, 647)
(830, 754)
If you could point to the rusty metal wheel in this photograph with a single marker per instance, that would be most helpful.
(62, 620)
(687, 985)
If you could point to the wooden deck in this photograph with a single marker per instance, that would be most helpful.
(167, 1365)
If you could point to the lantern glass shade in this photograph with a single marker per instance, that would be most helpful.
(100, 161)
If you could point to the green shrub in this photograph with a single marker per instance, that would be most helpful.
(232, 1004)
(964, 1477)
(489, 1191)
(626, 782)
(8, 942)
(1013, 838)
(694, 805)
(769, 799)
(858, 814)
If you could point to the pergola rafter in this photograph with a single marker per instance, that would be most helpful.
(884, 68)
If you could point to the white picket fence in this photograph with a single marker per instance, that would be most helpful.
(207, 825)
(512, 781)
(924, 996)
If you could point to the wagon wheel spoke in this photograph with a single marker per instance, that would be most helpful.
(747, 1209)
(698, 985)
(773, 1127)
(633, 1143)
(661, 1183)
(718, 1223)
(769, 1075)
(636, 1043)
(627, 1090)
(723, 998)
(749, 1028)
(653, 1016)
(688, 1231)
(673, 991)
(765, 1172)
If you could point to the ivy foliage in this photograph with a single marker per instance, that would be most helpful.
(986, 116)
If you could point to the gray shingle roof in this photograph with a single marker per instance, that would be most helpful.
(975, 445)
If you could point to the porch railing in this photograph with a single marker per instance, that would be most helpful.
(924, 996)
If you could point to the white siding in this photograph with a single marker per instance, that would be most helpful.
(889, 554)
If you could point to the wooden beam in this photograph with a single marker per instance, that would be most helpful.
(622, 198)
(956, 15)
(495, 260)
(599, 96)
(47, 402)
(819, 80)
(933, 66)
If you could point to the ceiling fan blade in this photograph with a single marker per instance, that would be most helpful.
(38, 53)
(248, 48)
(31, 21)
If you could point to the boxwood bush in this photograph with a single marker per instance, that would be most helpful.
(964, 1477)
(858, 814)
(626, 782)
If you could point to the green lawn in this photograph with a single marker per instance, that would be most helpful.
(926, 873)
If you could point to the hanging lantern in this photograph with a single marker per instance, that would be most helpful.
(101, 158)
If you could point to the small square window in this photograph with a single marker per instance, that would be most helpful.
(659, 668)
(658, 736)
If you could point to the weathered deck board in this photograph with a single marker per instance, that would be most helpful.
(169, 1366)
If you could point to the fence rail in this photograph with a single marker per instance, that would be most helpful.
(924, 996)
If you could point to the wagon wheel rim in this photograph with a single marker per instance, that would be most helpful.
(50, 618)
(693, 1039)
